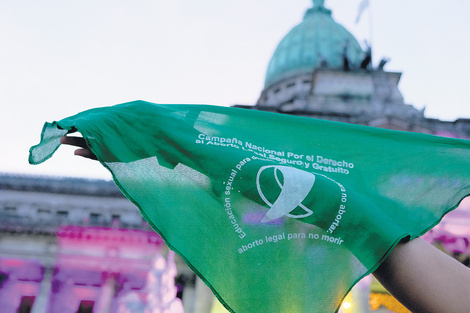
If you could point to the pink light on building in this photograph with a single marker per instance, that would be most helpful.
(79, 235)
(99, 264)
(19, 278)
(453, 232)
(448, 134)
(93, 268)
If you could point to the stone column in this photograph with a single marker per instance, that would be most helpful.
(189, 298)
(203, 297)
(361, 295)
(103, 304)
(42, 300)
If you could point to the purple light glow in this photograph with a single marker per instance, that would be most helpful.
(453, 232)
(448, 134)
(256, 217)
(93, 266)
(103, 235)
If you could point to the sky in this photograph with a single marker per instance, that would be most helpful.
(60, 57)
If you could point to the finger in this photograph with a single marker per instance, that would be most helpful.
(79, 142)
(74, 141)
(86, 153)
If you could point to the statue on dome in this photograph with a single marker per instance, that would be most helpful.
(319, 3)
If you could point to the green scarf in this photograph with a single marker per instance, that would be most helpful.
(275, 213)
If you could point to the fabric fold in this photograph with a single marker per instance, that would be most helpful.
(275, 213)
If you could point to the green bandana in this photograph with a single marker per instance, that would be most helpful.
(275, 213)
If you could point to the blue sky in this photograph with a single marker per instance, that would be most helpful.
(62, 57)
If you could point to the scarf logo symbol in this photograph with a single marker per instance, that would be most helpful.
(295, 186)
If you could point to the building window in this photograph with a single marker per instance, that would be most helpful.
(95, 218)
(26, 304)
(9, 208)
(86, 306)
(115, 220)
(62, 214)
(3, 278)
(62, 217)
(44, 212)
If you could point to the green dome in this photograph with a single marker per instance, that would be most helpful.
(317, 40)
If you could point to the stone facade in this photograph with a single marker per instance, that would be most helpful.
(76, 246)
(72, 245)
(359, 96)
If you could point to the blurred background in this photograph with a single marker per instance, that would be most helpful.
(69, 240)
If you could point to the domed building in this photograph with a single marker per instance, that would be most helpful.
(70, 245)
(320, 70)
(316, 42)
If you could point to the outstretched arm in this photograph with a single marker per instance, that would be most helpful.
(425, 279)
